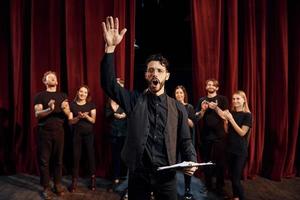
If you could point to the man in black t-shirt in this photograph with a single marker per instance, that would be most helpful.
(209, 108)
(51, 108)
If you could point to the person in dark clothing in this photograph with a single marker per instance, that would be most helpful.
(213, 142)
(82, 118)
(51, 108)
(182, 96)
(157, 124)
(118, 119)
(239, 122)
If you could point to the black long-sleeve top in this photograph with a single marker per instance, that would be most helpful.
(118, 126)
(192, 116)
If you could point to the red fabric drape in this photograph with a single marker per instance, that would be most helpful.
(252, 45)
(62, 36)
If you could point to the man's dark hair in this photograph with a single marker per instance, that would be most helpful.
(158, 57)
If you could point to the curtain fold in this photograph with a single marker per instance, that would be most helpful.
(292, 164)
(277, 73)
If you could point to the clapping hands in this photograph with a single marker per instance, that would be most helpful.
(51, 104)
(83, 115)
(228, 115)
(212, 105)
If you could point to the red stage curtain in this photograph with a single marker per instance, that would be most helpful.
(254, 46)
(62, 36)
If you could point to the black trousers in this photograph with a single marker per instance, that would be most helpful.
(214, 151)
(143, 181)
(117, 143)
(50, 146)
(236, 166)
(80, 141)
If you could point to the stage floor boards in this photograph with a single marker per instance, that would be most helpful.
(26, 187)
(265, 189)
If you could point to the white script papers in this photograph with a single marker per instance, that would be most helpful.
(184, 164)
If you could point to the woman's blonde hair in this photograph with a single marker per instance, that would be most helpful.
(245, 106)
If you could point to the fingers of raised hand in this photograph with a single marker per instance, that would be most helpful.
(107, 23)
(116, 24)
(104, 29)
(111, 23)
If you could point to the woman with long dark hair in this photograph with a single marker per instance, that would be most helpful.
(182, 96)
(82, 118)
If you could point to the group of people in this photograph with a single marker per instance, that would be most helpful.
(224, 136)
(159, 130)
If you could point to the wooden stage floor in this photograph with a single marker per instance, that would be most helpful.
(26, 187)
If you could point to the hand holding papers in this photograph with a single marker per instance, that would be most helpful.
(184, 164)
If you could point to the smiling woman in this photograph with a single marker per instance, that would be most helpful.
(82, 119)
(238, 124)
(181, 95)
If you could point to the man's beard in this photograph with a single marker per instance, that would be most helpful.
(211, 91)
(155, 85)
(51, 85)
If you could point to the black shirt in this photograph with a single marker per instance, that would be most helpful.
(83, 125)
(118, 126)
(213, 124)
(57, 116)
(191, 112)
(155, 146)
(239, 144)
(191, 115)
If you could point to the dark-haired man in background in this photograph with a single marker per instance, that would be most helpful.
(209, 108)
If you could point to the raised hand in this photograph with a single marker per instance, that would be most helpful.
(111, 33)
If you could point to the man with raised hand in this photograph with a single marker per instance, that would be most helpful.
(157, 124)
